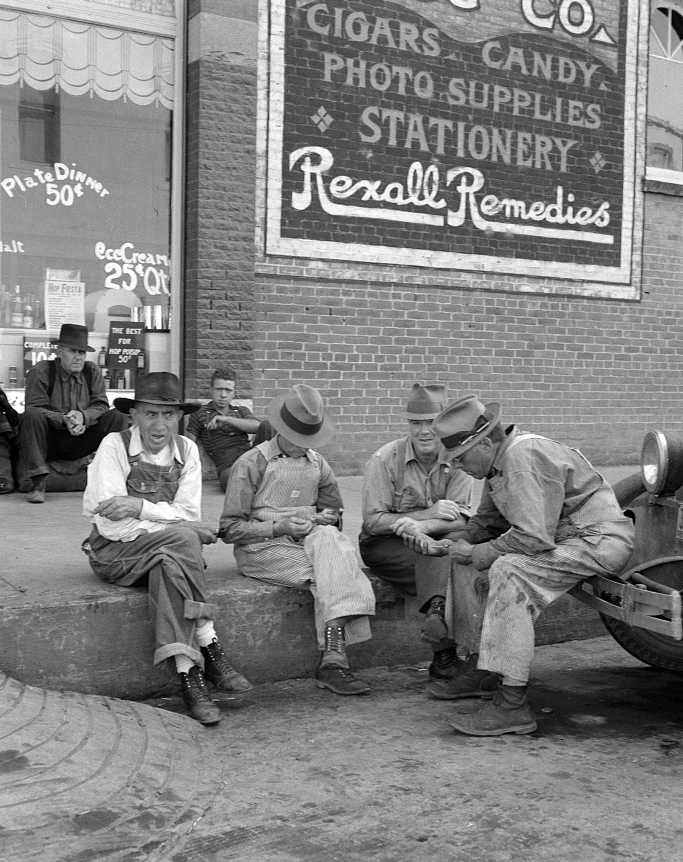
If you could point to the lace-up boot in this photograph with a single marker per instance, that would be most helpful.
(445, 664)
(507, 712)
(434, 628)
(196, 697)
(219, 671)
(467, 682)
(333, 672)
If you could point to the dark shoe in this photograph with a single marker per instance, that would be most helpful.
(445, 665)
(468, 682)
(434, 628)
(37, 492)
(219, 671)
(196, 697)
(340, 680)
(496, 717)
(6, 485)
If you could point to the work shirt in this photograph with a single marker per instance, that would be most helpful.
(395, 484)
(70, 392)
(538, 493)
(107, 475)
(248, 513)
(225, 443)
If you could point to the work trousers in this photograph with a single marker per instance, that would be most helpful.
(324, 562)
(409, 572)
(170, 564)
(521, 587)
(40, 442)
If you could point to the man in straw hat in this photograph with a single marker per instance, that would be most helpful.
(143, 498)
(410, 486)
(547, 520)
(66, 411)
(282, 507)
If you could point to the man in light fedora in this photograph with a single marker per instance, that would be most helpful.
(143, 499)
(547, 520)
(66, 411)
(410, 485)
(282, 511)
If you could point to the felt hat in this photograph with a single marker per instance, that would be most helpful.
(157, 387)
(463, 423)
(425, 402)
(75, 336)
(299, 415)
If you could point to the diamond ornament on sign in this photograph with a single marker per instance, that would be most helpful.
(322, 119)
(598, 162)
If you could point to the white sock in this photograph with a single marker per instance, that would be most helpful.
(183, 663)
(205, 632)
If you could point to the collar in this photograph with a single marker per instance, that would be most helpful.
(441, 458)
(212, 404)
(136, 448)
(511, 432)
(274, 451)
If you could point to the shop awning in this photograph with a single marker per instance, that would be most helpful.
(80, 58)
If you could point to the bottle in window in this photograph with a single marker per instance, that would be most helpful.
(102, 357)
(28, 314)
(17, 318)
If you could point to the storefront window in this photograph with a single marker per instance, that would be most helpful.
(665, 93)
(85, 187)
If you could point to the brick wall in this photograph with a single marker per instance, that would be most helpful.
(595, 373)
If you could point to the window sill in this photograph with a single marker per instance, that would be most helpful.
(663, 182)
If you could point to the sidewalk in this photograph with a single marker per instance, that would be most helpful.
(63, 629)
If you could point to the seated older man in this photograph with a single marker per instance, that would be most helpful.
(66, 412)
(143, 498)
(410, 485)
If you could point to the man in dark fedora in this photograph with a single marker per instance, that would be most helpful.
(282, 511)
(547, 520)
(66, 411)
(410, 485)
(143, 499)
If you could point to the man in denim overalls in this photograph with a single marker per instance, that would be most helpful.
(546, 521)
(143, 498)
(282, 511)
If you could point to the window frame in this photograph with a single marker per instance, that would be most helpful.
(663, 175)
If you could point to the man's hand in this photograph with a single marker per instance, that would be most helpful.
(75, 423)
(447, 510)
(215, 421)
(421, 543)
(406, 526)
(207, 535)
(118, 508)
(327, 517)
(461, 551)
(292, 526)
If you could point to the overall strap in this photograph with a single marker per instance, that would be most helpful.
(401, 449)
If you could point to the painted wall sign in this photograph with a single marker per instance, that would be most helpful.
(463, 134)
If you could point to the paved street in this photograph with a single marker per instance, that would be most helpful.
(294, 773)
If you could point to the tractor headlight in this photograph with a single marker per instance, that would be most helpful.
(661, 463)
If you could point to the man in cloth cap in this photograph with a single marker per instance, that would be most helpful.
(143, 498)
(282, 511)
(66, 411)
(410, 486)
(547, 520)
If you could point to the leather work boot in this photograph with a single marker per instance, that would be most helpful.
(37, 492)
(445, 664)
(219, 671)
(340, 680)
(196, 697)
(468, 682)
(434, 628)
(507, 712)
